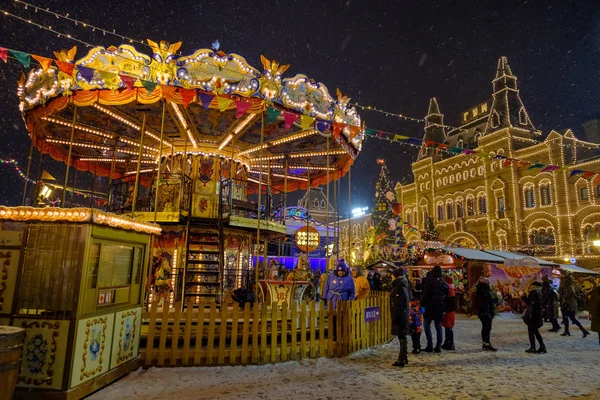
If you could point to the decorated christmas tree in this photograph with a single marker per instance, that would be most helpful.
(431, 232)
(386, 211)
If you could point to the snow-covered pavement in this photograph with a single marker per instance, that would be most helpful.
(571, 369)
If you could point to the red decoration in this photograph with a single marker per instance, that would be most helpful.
(187, 96)
(241, 108)
(128, 81)
(289, 119)
(65, 67)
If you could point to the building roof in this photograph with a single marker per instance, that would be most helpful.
(576, 269)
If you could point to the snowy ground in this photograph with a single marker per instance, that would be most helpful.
(571, 369)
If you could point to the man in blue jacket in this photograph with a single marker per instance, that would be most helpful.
(340, 285)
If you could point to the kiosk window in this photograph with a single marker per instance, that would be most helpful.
(115, 266)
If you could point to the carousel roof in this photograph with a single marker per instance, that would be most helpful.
(208, 103)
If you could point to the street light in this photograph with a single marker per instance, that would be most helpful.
(596, 242)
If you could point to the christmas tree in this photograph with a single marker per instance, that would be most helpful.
(386, 212)
(431, 232)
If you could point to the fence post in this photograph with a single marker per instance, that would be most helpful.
(149, 355)
(294, 330)
(322, 340)
(255, 325)
(211, 334)
(284, 321)
(234, 335)
(188, 333)
(245, 333)
(302, 330)
(222, 334)
(263, 333)
(331, 330)
(199, 331)
(164, 326)
(313, 333)
(175, 339)
(274, 332)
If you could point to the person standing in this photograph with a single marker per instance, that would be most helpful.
(533, 317)
(386, 281)
(339, 286)
(484, 304)
(449, 315)
(594, 309)
(435, 291)
(416, 323)
(361, 284)
(568, 298)
(550, 304)
(399, 308)
(376, 281)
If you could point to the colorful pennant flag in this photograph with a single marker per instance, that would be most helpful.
(65, 67)
(223, 103)
(400, 137)
(468, 151)
(575, 172)
(4, 54)
(522, 163)
(536, 165)
(550, 168)
(588, 174)
(86, 73)
(354, 130)
(128, 81)
(149, 86)
(337, 129)
(413, 140)
(322, 126)
(596, 180)
(306, 121)
(272, 114)
(168, 92)
(44, 62)
(241, 108)
(429, 143)
(370, 132)
(23, 58)
(206, 99)
(187, 96)
(108, 77)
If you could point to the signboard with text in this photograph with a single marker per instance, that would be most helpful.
(372, 314)
(307, 239)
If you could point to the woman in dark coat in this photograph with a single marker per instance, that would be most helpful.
(594, 309)
(550, 304)
(533, 317)
(484, 304)
(569, 305)
(399, 307)
(435, 291)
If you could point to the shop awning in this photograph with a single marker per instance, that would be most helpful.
(518, 256)
(576, 269)
(472, 254)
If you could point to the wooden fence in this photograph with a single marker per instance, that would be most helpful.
(214, 334)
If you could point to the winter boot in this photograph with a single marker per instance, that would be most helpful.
(585, 333)
(428, 349)
(565, 333)
(404, 351)
(541, 350)
(451, 346)
(437, 348)
(531, 348)
(488, 347)
(445, 345)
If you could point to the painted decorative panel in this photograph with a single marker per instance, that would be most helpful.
(126, 338)
(9, 264)
(44, 351)
(92, 351)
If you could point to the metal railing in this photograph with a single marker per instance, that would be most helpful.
(240, 198)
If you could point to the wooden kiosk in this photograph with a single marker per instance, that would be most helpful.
(73, 279)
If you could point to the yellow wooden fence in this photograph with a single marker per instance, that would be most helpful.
(211, 334)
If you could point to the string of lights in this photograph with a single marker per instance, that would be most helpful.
(17, 168)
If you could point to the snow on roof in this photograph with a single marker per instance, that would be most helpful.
(518, 256)
(575, 268)
(473, 254)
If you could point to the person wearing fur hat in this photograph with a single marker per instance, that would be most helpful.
(399, 307)
(449, 315)
(484, 305)
(533, 317)
(361, 284)
(340, 285)
(594, 309)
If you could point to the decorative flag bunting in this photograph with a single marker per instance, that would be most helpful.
(289, 119)
(108, 77)
(575, 172)
(400, 137)
(306, 122)
(241, 108)
(168, 92)
(429, 143)
(370, 132)
(86, 73)
(536, 165)
(129, 81)
(187, 96)
(206, 99)
(337, 129)
(3, 54)
(44, 62)
(596, 180)
(272, 114)
(149, 86)
(354, 130)
(413, 140)
(223, 103)
(65, 67)
(550, 168)
(322, 126)
(22, 57)
(588, 174)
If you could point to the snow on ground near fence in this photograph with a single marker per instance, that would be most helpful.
(569, 370)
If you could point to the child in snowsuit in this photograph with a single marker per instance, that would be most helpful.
(415, 326)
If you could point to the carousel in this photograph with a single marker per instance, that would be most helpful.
(205, 145)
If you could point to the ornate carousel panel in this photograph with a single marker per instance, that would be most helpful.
(126, 336)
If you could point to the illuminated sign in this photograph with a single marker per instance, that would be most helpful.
(476, 112)
(522, 262)
(357, 212)
(307, 239)
(298, 212)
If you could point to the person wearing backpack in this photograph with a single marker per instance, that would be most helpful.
(568, 298)
(533, 317)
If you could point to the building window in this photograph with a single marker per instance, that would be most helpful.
(470, 206)
(409, 217)
(545, 194)
(440, 212)
(598, 191)
(482, 205)
(542, 237)
(459, 209)
(460, 143)
(583, 193)
(529, 197)
(501, 207)
(449, 210)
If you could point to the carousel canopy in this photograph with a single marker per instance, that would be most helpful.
(114, 100)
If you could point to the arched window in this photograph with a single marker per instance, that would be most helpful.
(470, 206)
(583, 193)
(440, 212)
(316, 203)
(501, 207)
(459, 209)
(545, 194)
(449, 210)
(529, 196)
(482, 204)
(409, 217)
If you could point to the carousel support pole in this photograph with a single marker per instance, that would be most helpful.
(38, 181)
(349, 211)
(307, 208)
(113, 165)
(339, 207)
(27, 174)
(64, 193)
(160, 150)
(139, 165)
(93, 185)
(285, 192)
(337, 215)
(74, 186)
(262, 139)
(327, 205)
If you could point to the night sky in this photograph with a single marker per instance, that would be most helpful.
(394, 55)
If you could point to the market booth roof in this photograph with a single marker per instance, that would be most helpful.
(211, 103)
(473, 254)
(518, 256)
(576, 269)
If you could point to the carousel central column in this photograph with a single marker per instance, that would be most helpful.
(160, 150)
(307, 208)
(262, 138)
(139, 165)
(327, 205)
(64, 193)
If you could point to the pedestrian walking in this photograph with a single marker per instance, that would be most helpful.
(434, 295)
(416, 323)
(449, 315)
(594, 309)
(361, 284)
(568, 298)
(399, 307)
(484, 304)
(550, 304)
(533, 317)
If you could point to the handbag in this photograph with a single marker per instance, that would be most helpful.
(527, 314)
